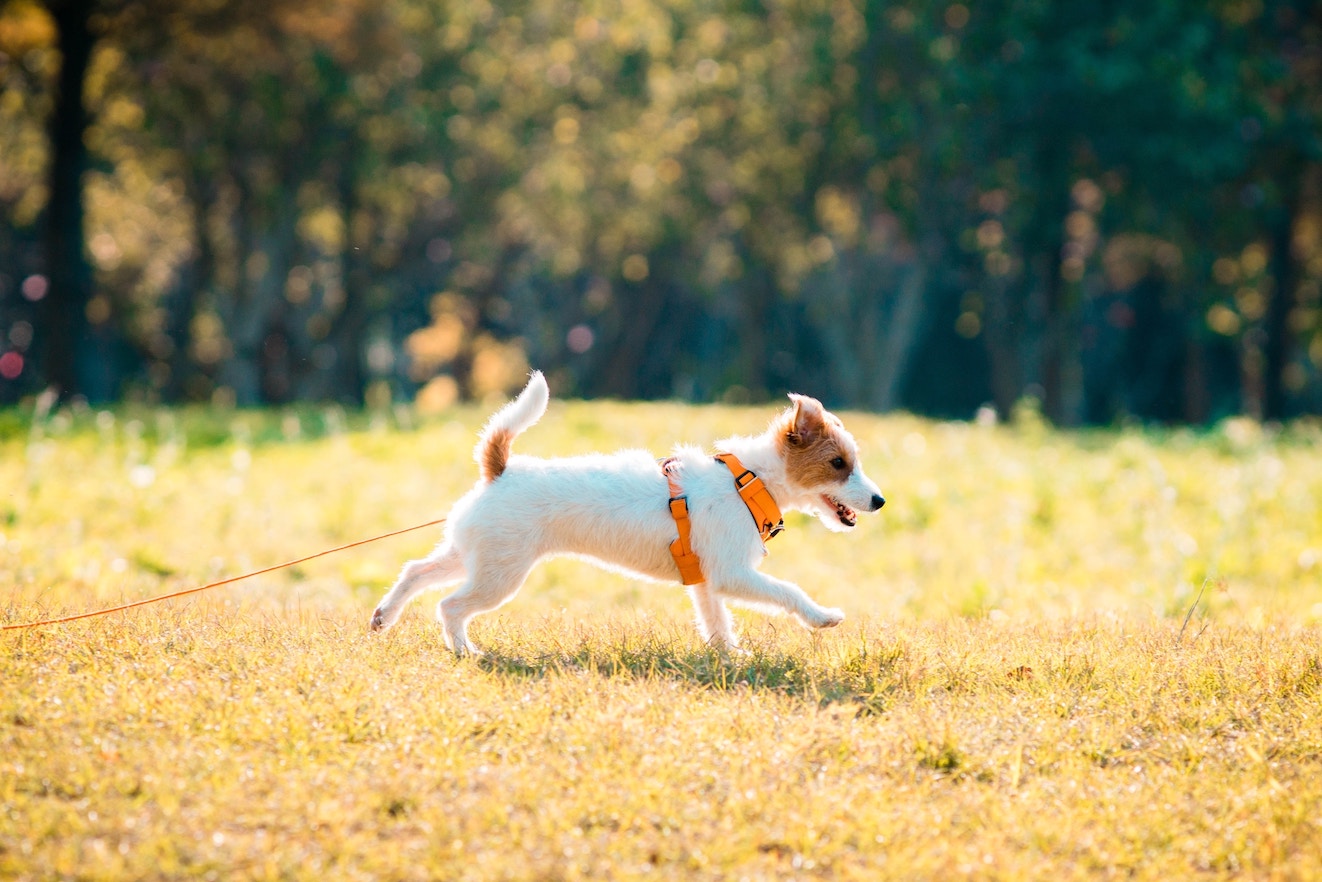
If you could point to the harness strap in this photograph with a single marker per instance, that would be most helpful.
(690, 568)
(760, 504)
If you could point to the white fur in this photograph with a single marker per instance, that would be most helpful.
(613, 509)
(519, 415)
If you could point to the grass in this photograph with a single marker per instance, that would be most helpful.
(1069, 655)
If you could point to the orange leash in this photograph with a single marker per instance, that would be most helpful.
(231, 580)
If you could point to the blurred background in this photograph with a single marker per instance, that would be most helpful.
(1113, 210)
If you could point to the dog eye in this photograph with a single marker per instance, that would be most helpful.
(838, 463)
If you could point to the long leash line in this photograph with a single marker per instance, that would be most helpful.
(229, 581)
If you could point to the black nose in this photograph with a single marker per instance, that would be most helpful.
(877, 502)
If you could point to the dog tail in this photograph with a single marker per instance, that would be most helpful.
(493, 448)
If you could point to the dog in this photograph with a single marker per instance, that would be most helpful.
(612, 510)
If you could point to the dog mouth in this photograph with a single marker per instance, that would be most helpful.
(843, 513)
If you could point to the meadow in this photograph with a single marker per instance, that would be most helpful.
(1068, 655)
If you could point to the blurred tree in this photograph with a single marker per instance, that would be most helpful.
(1283, 73)
(26, 49)
(70, 358)
(909, 204)
(295, 165)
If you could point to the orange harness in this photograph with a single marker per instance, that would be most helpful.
(763, 508)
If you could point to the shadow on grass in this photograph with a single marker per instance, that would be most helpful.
(867, 676)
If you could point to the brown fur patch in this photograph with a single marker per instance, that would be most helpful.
(810, 438)
(495, 454)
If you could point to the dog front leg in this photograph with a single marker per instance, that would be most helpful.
(714, 622)
(758, 589)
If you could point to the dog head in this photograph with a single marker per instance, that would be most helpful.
(821, 461)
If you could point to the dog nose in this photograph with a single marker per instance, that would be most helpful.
(877, 501)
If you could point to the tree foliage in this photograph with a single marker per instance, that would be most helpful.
(1116, 208)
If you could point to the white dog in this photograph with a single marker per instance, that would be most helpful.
(613, 510)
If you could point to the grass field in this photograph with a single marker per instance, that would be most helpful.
(1068, 655)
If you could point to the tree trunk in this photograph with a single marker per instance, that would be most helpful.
(904, 329)
(197, 279)
(266, 235)
(640, 318)
(64, 313)
(1053, 343)
(1276, 348)
(1047, 239)
(1003, 336)
(348, 333)
(751, 332)
(1197, 402)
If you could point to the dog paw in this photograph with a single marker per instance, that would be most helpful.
(729, 648)
(378, 622)
(460, 645)
(829, 618)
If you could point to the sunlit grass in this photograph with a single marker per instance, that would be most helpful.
(1016, 693)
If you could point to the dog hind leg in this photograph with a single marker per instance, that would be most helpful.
(488, 586)
(444, 565)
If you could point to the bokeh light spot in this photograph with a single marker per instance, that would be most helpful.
(579, 339)
(35, 287)
(11, 365)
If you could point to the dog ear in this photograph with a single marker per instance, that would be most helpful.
(807, 422)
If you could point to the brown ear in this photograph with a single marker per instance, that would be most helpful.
(807, 421)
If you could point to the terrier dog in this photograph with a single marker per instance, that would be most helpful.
(612, 510)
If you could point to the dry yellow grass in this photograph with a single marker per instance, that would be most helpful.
(1015, 694)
